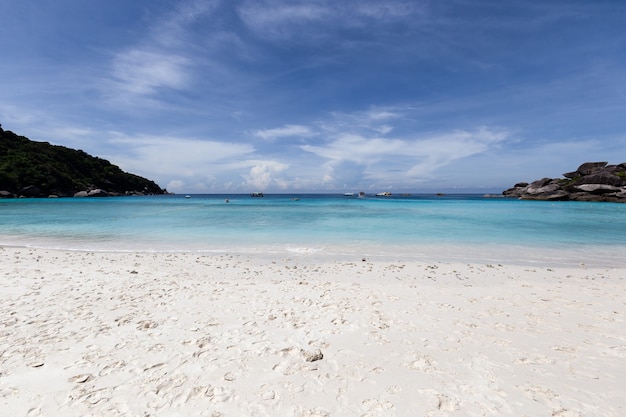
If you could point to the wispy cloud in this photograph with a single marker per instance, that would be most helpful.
(167, 158)
(414, 158)
(356, 148)
(142, 72)
(276, 19)
(444, 149)
(286, 131)
(172, 29)
(289, 20)
(375, 120)
(160, 60)
(378, 115)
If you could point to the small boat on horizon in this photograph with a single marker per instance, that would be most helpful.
(257, 194)
(383, 194)
(348, 194)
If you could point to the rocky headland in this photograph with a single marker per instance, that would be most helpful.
(40, 169)
(592, 181)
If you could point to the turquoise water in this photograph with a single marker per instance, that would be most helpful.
(462, 227)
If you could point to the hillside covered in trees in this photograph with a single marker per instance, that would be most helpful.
(39, 169)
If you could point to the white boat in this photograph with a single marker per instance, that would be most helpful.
(383, 194)
(348, 194)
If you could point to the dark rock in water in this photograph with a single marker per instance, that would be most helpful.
(30, 191)
(592, 181)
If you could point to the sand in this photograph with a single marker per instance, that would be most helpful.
(140, 334)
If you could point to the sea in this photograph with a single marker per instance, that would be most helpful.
(447, 228)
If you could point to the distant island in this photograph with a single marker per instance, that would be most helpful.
(592, 181)
(39, 169)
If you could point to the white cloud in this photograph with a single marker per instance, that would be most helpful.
(377, 115)
(356, 148)
(375, 119)
(283, 132)
(441, 150)
(387, 9)
(162, 59)
(176, 186)
(412, 157)
(292, 20)
(165, 158)
(383, 129)
(263, 175)
(273, 19)
(172, 28)
(142, 72)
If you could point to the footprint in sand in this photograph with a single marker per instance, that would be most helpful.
(115, 366)
(34, 412)
(221, 394)
(421, 363)
(81, 378)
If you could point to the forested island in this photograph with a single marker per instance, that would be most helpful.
(40, 169)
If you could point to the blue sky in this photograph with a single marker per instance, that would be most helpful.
(208, 96)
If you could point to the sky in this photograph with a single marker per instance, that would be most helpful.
(286, 96)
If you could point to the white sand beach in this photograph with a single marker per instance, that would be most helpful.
(140, 334)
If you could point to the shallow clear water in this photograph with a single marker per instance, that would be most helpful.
(447, 227)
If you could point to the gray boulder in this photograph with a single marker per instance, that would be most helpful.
(602, 178)
(598, 188)
(589, 168)
(97, 193)
(544, 189)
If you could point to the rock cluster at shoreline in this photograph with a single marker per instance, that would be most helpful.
(592, 181)
(35, 192)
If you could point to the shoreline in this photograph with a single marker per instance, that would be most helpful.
(565, 256)
(135, 333)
